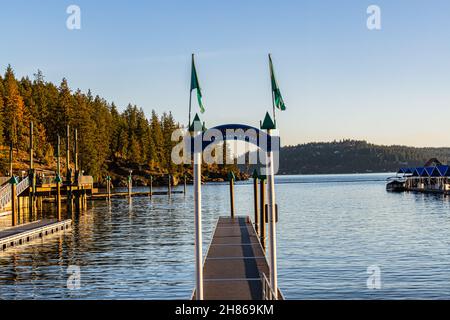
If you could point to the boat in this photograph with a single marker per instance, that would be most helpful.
(396, 184)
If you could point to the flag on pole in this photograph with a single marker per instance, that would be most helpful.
(196, 85)
(277, 98)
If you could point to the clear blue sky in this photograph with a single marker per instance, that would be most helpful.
(339, 80)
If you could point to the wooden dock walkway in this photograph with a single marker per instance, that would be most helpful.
(22, 234)
(235, 264)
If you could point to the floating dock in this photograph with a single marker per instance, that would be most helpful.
(25, 233)
(104, 196)
(235, 267)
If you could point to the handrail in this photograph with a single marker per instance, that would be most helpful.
(267, 291)
(23, 185)
(6, 194)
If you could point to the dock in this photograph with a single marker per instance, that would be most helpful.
(25, 233)
(104, 196)
(235, 267)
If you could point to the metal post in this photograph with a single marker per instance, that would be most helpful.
(232, 197)
(76, 150)
(58, 179)
(58, 199)
(31, 145)
(198, 223)
(262, 222)
(31, 177)
(68, 172)
(68, 175)
(184, 189)
(255, 203)
(13, 202)
(272, 221)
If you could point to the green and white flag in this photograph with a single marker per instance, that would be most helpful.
(196, 85)
(278, 99)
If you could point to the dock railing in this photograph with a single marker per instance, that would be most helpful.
(267, 291)
(5, 196)
(23, 185)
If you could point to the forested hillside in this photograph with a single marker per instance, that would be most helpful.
(109, 140)
(350, 156)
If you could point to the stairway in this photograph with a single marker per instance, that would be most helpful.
(6, 195)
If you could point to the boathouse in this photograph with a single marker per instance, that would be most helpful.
(426, 179)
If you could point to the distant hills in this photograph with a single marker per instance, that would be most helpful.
(351, 156)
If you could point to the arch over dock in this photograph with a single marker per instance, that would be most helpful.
(227, 270)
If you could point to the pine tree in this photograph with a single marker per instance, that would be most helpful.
(157, 139)
(14, 113)
(1, 113)
(168, 127)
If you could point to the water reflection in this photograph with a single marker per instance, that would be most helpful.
(331, 229)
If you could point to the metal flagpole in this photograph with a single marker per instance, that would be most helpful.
(198, 218)
(272, 221)
(273, 106)
(273, 96)
(190, 94)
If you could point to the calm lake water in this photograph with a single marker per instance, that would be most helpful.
(331, 229)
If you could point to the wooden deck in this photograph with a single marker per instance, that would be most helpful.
(22, 234)
(235, 262)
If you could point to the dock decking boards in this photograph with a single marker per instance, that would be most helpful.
(22, 234)
(234, 262)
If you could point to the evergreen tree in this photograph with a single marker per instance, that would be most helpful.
(14, 112)
(157, 139)
(1, 112)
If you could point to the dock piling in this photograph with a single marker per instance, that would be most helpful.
(272, 222)
(108, 187)
(169, 186)
(262, 206)
(256, 200)
(130, 185)
(198, 224)
(231, 177)
(14, 199)
(58, 179)
(151, 186)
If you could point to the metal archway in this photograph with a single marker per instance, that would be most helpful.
(200, 140)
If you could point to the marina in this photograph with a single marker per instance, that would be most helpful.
(428, 179)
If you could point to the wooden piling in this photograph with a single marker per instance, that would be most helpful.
(262, 209)
(151, 186)
(169, 186)
(184, 187)
(130, 186)
(108, 187)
